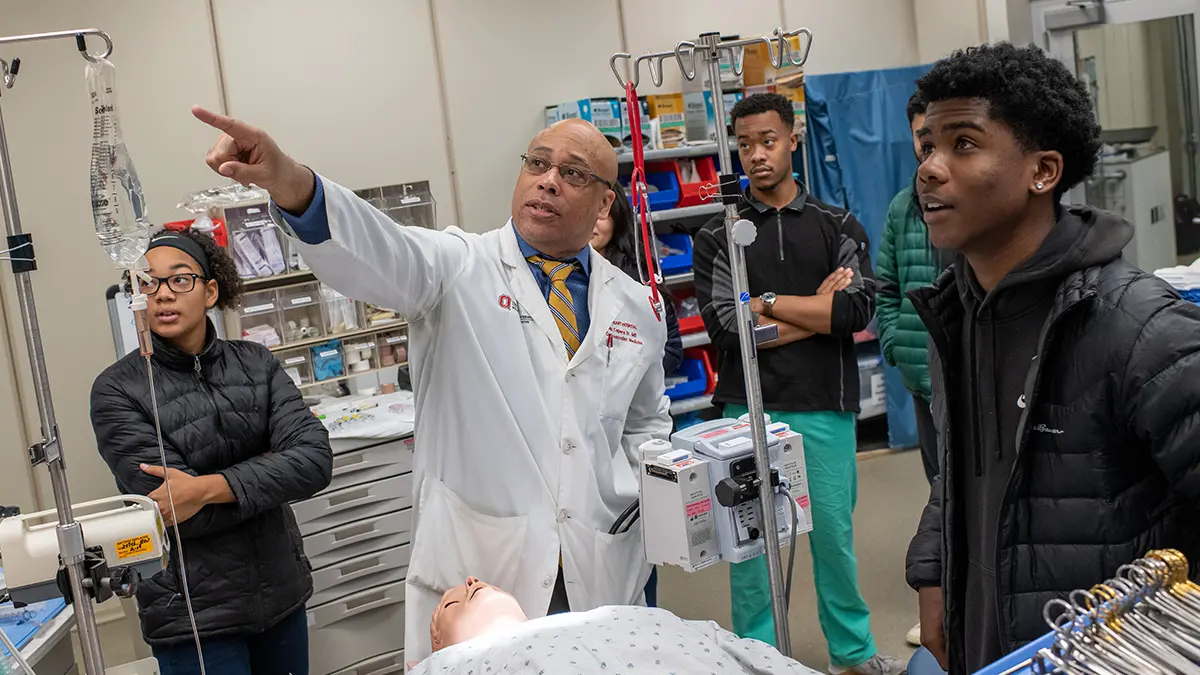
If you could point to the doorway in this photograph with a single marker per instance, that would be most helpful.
(1138, 59)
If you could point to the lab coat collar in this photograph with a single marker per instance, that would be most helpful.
(583, 257)
(602, 307)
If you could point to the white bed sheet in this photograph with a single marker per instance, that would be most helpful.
(612, 641)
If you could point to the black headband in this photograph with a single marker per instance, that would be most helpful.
(188, 246)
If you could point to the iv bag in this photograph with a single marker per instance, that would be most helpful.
(118, 207)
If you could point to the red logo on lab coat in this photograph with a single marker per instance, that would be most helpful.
(505, 302)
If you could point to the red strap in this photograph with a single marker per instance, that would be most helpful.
(637, 185)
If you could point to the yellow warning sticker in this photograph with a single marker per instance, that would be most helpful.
(135, 546)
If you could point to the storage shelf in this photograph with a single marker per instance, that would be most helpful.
(679, 279)
(696, 340)
(698, 150)
(269, 283)
(391, 325)
(694, 404)
(667, 215)
(350, 376)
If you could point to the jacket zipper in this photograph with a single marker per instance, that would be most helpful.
(779, 229)
(1032, 383)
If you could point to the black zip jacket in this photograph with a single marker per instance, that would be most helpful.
(233, 411)
(1069, 445)
(796, 249)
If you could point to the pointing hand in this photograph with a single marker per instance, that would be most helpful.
(248, 155)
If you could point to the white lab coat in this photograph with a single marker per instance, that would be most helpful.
(519, 453)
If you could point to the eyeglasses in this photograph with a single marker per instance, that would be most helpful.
(178, 283)
(572, 174)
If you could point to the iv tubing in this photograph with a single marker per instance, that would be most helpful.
(162, 454)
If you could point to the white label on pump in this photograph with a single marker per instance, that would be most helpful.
(260, 308)
(294, 360)
(328, 353)
(302, 300)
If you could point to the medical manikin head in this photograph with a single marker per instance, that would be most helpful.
(470, 610)
(564, 187)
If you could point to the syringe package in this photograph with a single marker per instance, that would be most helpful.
(118, 207)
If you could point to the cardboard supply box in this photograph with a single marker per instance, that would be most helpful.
(756, 64)
(668, 110)
(603, 113)
(646, 131)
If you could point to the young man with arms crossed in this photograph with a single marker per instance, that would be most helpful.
(1066, 382)
(810, 273)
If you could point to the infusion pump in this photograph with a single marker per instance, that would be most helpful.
(700, 494)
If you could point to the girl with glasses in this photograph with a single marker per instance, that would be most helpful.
(240, 444)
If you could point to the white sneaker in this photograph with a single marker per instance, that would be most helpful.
(876, 665)
(914, 636)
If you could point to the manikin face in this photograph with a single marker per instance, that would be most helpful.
(552, 215)
(470, 610)
(175, 315)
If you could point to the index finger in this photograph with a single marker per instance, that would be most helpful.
(238, 129)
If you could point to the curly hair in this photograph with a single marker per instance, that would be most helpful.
(1045, 106)
(221, 265)
(756, 104)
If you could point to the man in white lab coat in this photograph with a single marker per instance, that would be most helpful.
(537, 367)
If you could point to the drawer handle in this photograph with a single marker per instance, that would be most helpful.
(352, 532)
(352, 605)
(343, 461)
(363, 566)
(357, 495)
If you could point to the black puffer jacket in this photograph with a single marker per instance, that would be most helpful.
(1111, 469)
(231, 410)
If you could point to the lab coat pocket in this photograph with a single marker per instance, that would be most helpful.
(454, 541)
(621, 568)
(622, 372)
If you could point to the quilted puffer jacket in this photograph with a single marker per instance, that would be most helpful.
(230, 410)
(1107, 456)
(907, 262)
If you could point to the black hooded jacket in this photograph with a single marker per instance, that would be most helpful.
(233, 411)
(1067, 402)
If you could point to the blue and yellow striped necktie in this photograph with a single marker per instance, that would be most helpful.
(562, 305)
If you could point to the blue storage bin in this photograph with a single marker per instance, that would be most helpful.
(676, 264)
(697, 382)
(667, 196)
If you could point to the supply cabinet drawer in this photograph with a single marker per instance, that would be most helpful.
(368, 464)
(386, 664)
(358, 538)
(359, 574)
(357, 627)
(353, 503)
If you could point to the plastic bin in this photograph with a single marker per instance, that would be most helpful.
(665, 177)
(696, 368)
(687, 324)
(706, 180)
(676, 264)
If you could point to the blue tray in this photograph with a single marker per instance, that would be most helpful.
(676, 264)
(668, 194)
(22, 633)
(697, 380)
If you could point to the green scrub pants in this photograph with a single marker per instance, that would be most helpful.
(829, 454)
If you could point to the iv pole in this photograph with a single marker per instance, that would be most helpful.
(740, 234)
(49, 449)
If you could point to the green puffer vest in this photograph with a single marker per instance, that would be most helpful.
(906, 262)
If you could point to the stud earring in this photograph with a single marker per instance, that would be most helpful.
(1040, 185)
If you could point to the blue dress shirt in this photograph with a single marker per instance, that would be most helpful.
(312, 227)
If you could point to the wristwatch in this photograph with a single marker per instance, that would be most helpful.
(768, 302)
